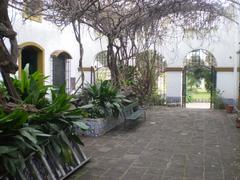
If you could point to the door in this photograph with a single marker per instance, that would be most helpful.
(59, 71)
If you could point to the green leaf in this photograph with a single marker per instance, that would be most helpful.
(81, 125)
(55, 145)
(7, 149)
(127, 101)
(29, 136)
(67, 153)
(53, 127)
(76, 139)
(21, 119)
(10, 166)
(23, 144)
(88, 106)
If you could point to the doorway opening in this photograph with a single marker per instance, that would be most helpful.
(33, 55)
(199, 80)
(61, 69)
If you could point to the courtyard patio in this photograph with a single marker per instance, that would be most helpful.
(172, 144)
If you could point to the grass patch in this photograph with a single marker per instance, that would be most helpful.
(199, 95)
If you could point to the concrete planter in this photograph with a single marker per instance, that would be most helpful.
(100, 126)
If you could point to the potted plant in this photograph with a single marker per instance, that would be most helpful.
(229, 108)
(103, 105)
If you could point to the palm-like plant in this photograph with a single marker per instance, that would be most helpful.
(17, 140)
(21, 131)
(31, 88)
(104, 99)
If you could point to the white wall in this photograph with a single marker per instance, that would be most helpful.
(223, 44)
(226, 84)
(174, 84)
(52, 38)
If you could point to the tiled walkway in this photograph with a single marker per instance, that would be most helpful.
(173, 144)
(198, 105)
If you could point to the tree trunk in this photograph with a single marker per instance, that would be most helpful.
(8, 58)
(77, 32)
(112, 62)
(10, 88)
(2, 100)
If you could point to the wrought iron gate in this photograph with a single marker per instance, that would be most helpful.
(213, 85)
(184, 86)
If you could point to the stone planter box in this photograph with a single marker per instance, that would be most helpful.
(49, 165)
(100, 126)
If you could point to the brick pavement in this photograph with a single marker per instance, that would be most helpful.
(172, 144)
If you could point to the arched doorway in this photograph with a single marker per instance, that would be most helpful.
(199, 79)
(33, 54)
(60, 68)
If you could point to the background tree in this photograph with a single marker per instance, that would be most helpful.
(125, 21)
(122, 22)
(149, 66)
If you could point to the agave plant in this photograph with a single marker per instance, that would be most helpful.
(103, 99)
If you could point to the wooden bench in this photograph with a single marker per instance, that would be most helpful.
(132, 112)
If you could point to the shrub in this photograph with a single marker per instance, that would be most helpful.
(144, 75)
(217, 100)
(156, 100)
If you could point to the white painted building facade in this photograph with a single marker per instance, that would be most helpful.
(52, 41)
(224, 45)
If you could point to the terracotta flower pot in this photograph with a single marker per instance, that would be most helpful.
(229, 108)
(238, 122)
